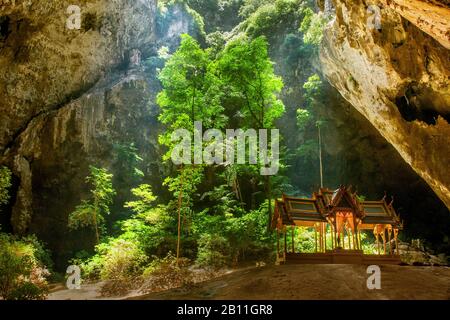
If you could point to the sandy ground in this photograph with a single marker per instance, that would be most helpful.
(301, 282)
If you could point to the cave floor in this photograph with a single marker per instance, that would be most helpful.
(301, 282)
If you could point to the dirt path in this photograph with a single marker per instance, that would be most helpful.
(306, 282)
(299, 282)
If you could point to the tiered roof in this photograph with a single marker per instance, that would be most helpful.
(325, 203)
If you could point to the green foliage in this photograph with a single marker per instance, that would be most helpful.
(22, 270)
(313, 88)
(145, 202)
(250, 6)
(263, 17)
(121, 259)
(249, 78)
(142, 236)
(191, 92)
(5, 184)
(308, 151)
(128, 160)
(213, 251)
(226, 238)
(303, 118)
(91, 212)
(219, 14)
(368, 244)
(313, 26)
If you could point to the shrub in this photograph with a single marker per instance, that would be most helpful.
(213, 251)
(122, 259)
(164, 274)
(116, 259)
(22, 273)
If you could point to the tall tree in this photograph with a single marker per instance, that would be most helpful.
(92, 212)
(250, 81)
(191, 93)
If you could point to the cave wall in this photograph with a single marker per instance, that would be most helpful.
(397, 78)
(44, 64)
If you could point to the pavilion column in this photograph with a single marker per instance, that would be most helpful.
(315, 236)
(333, 243)
(396, 241)
(390, 243)
(336, 244)
(320, 237)
(285, 240)
(293, 244)
(359, 240)
(358, 246)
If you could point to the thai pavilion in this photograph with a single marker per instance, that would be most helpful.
(340, 212)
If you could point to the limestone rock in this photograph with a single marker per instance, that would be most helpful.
(398, 78)
(44, 64)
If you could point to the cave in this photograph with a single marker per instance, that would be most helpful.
(4, 28)
(86, 118)
(414, 106)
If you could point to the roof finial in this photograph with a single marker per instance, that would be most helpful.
(392, 202)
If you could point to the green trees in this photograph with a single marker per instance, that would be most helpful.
(248, 76)
(312, 26)
(213, 86)
(190, 94)
(249, 80)
(91, 212)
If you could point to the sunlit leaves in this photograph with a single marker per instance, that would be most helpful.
(248, 76)
(5, 184)
(313, 26)
(91, 212)
(303, 117)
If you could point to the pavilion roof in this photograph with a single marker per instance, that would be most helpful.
(297, 211)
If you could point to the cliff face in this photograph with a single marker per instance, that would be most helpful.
(397, 77)
(45, 64)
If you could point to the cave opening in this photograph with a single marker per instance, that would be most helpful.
(413, 106)
(4, 27)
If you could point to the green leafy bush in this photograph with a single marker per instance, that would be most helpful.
(213, 251)
(116, 259)
(23, 275)
(312, 26)
(263, 18)
(122, 259)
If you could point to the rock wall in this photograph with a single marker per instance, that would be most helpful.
(398, 78)
(44, 64)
